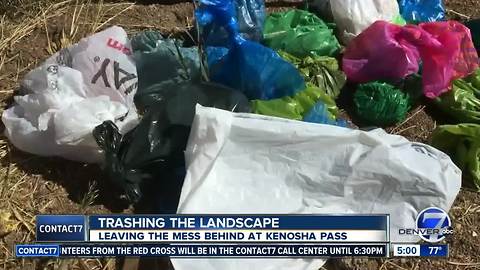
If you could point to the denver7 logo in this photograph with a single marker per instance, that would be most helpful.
(434, 223)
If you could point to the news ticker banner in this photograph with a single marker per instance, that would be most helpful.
(229, 250)
(202, 250)
(214, 229)
(217, 236)
(209, 236)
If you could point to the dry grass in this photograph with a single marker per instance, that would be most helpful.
(31, 185)
(24, 193)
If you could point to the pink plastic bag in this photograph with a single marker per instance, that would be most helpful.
(388, 51)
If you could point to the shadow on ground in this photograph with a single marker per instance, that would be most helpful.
(77, 179)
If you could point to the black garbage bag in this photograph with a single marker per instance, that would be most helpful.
(149, 161)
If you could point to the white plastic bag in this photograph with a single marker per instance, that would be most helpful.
(73, 91)
(245, 163)
(354, 16)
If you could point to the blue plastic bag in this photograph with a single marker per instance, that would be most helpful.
(416, 11)
(250, 16)
(319, 114)
(257, 71)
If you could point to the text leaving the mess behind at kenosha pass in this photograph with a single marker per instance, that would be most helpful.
(188, 222)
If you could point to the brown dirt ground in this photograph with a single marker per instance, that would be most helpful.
(31, 185)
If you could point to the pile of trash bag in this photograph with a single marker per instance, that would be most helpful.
(247, 120)
(316, 103)
(386, 51)
(247, 66)
(152, 153)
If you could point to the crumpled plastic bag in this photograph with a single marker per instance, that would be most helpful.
(381, 104)
(298, 106)
(299, 33)
(415, 11)
(71, 93)
(250, 16)
(152, 153)
(178, 63)
(463, 101)
(385, 51)
(246, 163)
(321, 71)
(354, 16)
(162, 61)
(462, 143)
(255, 70)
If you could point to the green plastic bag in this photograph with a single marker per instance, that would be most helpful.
(381, 104)
(462, 144)
(463, 101)
(321, 71)
(299, 33)
(297, 106)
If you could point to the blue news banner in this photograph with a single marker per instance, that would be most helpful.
(209, 236)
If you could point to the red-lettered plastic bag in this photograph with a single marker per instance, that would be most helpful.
(71, 93)
(388, 51)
